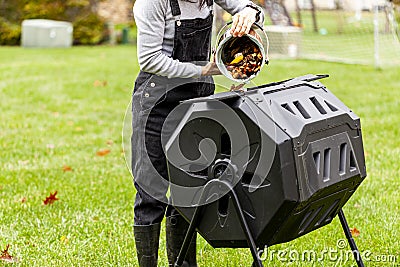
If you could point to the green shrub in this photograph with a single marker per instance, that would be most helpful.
(44, 9)
(10, 34)
(88, 30)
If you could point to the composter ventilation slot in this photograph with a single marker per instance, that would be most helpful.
(288, 108)
(317, 161)
(331, 107)
(310, 218)
(326, 217)
(305, 218)
(318, 105)
(353, 165)
(342, 158)
(327, 164)
(301, 109)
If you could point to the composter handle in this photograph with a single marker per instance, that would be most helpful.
(223, 29)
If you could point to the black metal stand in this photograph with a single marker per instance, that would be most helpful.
(352, 243)
(249, 237)
(196, 220)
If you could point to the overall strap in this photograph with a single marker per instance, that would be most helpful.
(176, 10)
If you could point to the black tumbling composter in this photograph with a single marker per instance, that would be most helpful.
(265, 166)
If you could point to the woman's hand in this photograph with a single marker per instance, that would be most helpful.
(242, 21)
(210, 69)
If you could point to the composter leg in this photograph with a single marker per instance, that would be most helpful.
(197, 217)
(189, 235)
(352, 243)
(250, 240)
(193, 224)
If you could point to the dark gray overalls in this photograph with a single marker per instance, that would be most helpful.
(154, 98)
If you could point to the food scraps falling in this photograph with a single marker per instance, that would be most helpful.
(242, 58)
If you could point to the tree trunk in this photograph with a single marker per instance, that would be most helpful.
(314, 16)
(298, 11)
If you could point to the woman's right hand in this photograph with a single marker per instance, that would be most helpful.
(210, 69)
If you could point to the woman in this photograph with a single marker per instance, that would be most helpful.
(173, 44)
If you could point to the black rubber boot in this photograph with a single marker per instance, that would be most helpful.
(176, 228)
(146, 240)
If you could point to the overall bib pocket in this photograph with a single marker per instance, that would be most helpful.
(198, 38)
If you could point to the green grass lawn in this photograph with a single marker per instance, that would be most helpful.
(56, 111)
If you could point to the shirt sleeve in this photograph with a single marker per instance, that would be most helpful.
(235, 6)
(150, 20)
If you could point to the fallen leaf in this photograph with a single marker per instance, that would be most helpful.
(50, 199)
(355, 232)
(103, 152)
(110, 142)
(67, 168)
(5, 255)
(98, 83)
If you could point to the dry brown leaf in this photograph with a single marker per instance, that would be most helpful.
(50, 199)
(98, 83)
(67, 168)
(110, 142)
(5, 256)
(103, 152)
(355, 232)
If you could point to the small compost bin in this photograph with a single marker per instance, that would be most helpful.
(45, 33)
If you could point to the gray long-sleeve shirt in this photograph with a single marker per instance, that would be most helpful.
(156, 30)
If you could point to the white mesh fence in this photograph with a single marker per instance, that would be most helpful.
(358, 37)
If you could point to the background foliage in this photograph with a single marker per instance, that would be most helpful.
(88, 25)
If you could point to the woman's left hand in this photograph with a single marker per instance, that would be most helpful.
(210, 69)
(242, 21)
